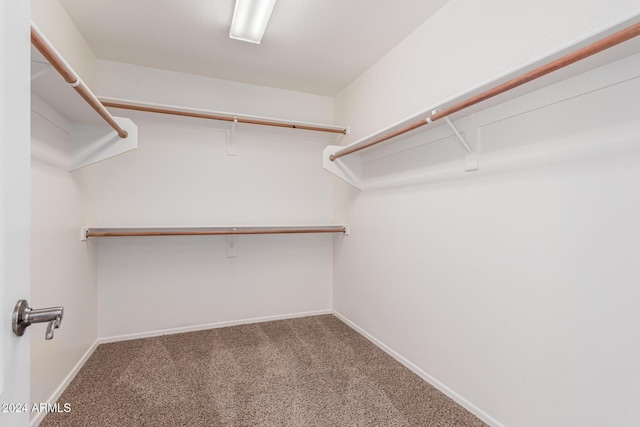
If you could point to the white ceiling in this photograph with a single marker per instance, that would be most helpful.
(315, 46)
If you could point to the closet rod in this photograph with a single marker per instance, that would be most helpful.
(227, 118)
(40, 42)
(603, 44)
(211, 231)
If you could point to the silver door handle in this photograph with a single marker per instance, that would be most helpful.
(23, 316)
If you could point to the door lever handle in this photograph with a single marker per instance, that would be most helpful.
(54, 324)
(23, 316)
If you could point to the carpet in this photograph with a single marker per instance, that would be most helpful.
(312, 371)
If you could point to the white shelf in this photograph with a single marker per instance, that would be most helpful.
(214, 230)
(92, 139)
(349, 167)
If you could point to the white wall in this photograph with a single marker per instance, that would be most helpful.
(63, 269)
(181, 175)
(512, 288)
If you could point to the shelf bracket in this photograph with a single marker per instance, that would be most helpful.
(347, 168)
(471, 158)
(91, 143)
(38, 68)
(457, 134)
(231, 138)
(231, 246)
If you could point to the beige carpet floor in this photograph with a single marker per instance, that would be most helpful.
(313, 371)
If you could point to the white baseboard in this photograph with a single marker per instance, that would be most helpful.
(422, 374)
(171, 331)
(35, 421)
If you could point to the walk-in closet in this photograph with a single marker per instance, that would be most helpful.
(335, 213)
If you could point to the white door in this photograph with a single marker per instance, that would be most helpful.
(14, 206)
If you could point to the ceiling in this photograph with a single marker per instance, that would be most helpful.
(314, 46)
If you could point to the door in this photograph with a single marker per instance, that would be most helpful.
(14, 206)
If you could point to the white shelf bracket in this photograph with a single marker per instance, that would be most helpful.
(39, 68)
(471, 158)
(92, 143)
(347, 168)
(457, 134)
(231, 138)
(231, 246)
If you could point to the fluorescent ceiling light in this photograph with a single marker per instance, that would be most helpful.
(250, 19)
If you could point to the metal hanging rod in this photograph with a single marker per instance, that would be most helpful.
(201, 114)
(40, 42)
(603, 44)
(208, 231)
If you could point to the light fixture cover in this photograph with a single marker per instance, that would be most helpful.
(250, 19)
